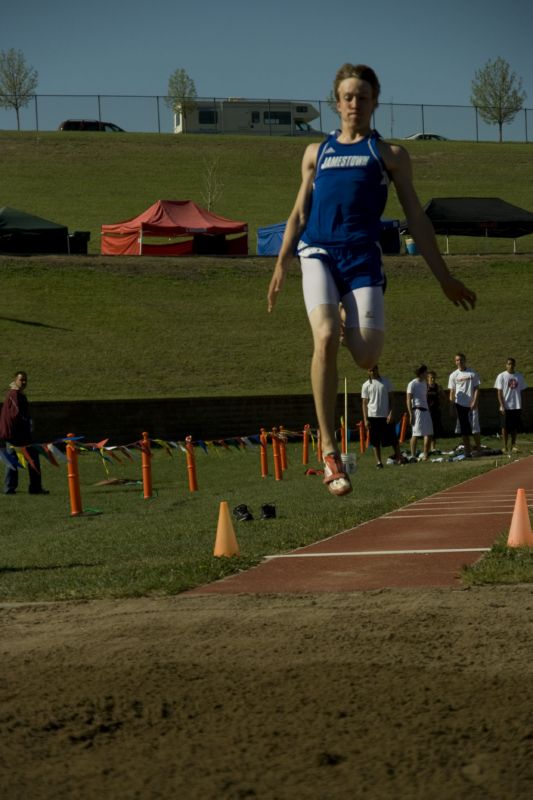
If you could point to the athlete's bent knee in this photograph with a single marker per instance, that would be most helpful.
(365, 346)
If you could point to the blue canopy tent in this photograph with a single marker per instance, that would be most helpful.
(269, 238)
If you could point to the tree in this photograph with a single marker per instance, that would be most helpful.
(212, 186)
(18, 81)
(497, 93)
(331, 100)
(181, 94)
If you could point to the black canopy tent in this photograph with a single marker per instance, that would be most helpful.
(476, 216)
(25, 233)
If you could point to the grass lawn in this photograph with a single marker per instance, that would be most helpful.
(132, 328)
(164, 545)
(89, 327)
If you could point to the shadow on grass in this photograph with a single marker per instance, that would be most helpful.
(34, 324)
(75, 565)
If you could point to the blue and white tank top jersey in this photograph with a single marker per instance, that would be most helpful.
(349, 193)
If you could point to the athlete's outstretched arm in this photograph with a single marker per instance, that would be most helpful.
(295, 224)
(398, 165)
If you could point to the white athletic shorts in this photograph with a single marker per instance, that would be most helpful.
(422, 423)
(364, 307)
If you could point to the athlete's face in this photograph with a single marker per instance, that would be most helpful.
(356, 102)
(510, 366)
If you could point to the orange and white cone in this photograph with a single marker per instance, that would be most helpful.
(520, 534)
(226, 542)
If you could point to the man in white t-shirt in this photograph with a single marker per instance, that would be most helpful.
(510, 385)
(463, 384)
(377, 403)
(418, 410)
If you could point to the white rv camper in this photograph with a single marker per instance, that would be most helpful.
(237, 115)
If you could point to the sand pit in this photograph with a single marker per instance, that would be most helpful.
(381, 694)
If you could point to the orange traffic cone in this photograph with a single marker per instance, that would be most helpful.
(226, 541)
(520, 534)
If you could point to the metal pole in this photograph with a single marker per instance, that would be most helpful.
(525, 118)
(99, 110)
(37, 114)
(477, 128)
(158, 117)
(423, 125)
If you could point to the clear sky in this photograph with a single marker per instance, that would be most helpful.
(424, 51)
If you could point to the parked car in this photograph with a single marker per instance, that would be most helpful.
(431, 136)
(89, 125)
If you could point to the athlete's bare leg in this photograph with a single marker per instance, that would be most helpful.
(365, 345)
(325, 325)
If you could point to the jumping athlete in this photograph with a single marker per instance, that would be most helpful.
(335, 227)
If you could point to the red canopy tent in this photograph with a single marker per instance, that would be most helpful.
(198, 232)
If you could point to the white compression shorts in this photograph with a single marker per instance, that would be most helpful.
(364, 307)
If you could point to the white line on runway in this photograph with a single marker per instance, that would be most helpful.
(465, 504)
(508, 493)
(428, 551)
(391, 514)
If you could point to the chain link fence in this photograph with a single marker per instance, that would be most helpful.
(151, 114)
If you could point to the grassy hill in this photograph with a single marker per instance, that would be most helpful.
(134, 327)
(107, 328)
(84, 179)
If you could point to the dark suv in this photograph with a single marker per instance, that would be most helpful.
(89, 125)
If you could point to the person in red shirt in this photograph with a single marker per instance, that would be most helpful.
(16, 429)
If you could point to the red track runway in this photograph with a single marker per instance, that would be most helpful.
(424, 544)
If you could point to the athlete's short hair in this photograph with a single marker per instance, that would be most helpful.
(360, 71)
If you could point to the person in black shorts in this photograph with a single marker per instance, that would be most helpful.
(463, 384)
(510, 384)
(377, 403)
(435, 395)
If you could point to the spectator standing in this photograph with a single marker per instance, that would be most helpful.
(435, 395)
(510, 384)
(417, 408)
(16, 429)
(464, 385)
(377, 403)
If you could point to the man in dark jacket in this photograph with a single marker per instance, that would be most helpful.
(16, 429)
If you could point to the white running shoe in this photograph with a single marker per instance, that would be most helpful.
(335, 478)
